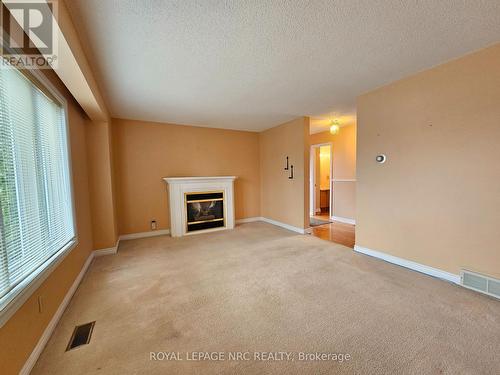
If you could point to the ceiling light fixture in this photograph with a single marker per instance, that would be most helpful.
(334, 127)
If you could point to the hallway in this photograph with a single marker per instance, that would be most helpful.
(337, 232)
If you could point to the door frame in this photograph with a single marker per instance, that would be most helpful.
(312, 179)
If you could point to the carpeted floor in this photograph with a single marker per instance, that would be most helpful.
(259, 289)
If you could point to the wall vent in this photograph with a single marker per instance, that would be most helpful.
(480, 283)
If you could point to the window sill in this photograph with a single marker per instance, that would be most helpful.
(12, 301)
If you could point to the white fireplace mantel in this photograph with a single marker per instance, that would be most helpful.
(177, 187)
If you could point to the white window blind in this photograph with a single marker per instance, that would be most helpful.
(36, 215)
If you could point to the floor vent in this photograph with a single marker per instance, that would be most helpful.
(480, 283)
(81, 335)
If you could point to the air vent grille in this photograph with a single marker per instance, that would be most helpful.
(494, 288)
(480, 283)
(81, 335)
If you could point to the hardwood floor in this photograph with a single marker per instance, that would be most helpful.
(341, 233)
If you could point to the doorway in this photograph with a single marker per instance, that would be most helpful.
(321, 169)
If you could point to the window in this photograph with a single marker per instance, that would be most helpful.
(36, 213)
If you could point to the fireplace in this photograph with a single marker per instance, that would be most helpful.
(200, 204)
(204, 210)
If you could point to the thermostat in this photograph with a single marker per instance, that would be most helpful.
(381, 158)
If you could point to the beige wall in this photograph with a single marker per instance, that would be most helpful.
(344, 168)
(102, 200)
(145, 152)
(324, 168)
(436, 200)
(21, 333)
(283, 199)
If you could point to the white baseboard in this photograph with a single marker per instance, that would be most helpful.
(248, 220)
(344, 220)
(283, 225)
(273, 222)
(47, 333)
(153, 233)
(410, 264)
(107, 251)
(162, 232)
(30, 362)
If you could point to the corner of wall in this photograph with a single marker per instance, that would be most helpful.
(101, 184)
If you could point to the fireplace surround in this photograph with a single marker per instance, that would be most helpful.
(200, 204)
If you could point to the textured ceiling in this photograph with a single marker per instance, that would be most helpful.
(252, 64)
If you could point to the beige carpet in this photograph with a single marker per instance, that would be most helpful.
(263, 289)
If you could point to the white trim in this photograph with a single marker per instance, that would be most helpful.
(273, 222)
(312, 180)
(248, 220)
(107, 251)
(153, 233)
(162, 232)
(344, 220)
(15, 298)
(47, 333)
(409, 264)
(183, 180)
(283, 225)
(30, 284)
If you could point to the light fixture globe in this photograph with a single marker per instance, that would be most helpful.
(334, 127)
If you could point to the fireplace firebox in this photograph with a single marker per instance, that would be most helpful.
(204, 210)
(200, 204)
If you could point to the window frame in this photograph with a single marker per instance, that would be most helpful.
(15, 298)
